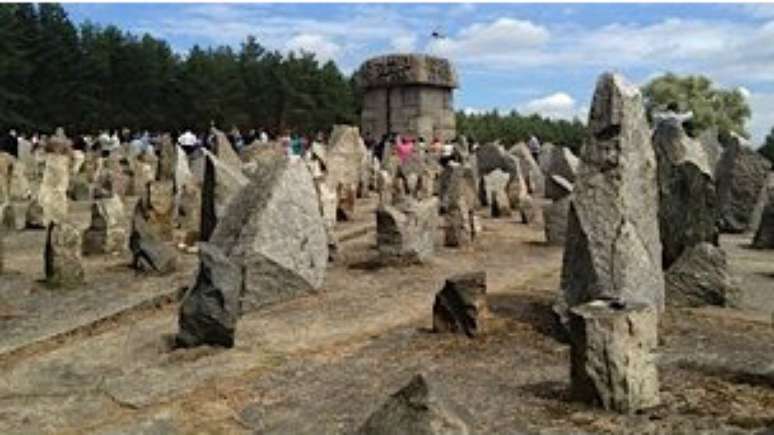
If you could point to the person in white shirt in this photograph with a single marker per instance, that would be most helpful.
(187, 141)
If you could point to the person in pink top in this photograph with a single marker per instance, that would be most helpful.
(403, 147)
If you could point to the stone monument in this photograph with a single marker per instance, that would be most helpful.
(408, 94)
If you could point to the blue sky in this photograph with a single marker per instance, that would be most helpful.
(530, 57)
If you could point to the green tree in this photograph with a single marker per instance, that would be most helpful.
(725, 109)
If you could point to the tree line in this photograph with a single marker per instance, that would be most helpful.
(88, 77)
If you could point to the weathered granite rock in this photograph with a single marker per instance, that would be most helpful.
(612, 356)
(347, 198)
(495, 185)
(62, 256)
(107, 232)
(555, 218)
(700, 277)
(2, 249)
(741, 173)
(459, 198)
(51, 203)
(159, 207)
(384, 187)
(344, 165)
(58, 143)
(713, 149)
(209, 311)
(557, 187)
(419, 408)
(763, 199)
(80, 188)
(613, 248)
(530, 169)
(167, 163)
(6, 165)
(562, 163)
(461, 305)
(142, 175)
(273, 229)
(688, 206)
(456, 180)
(189, 213)
(18, 184)
(149, 253)
(112, 179)
(406, 231)
(764, 235)
(13, 216)
(546, 155)
(223, 178)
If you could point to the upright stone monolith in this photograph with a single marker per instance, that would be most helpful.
(51, 202)
(460, 307)
(62, 255)
(613, 248)
(405, 232)
(688, 206)
(107, 232)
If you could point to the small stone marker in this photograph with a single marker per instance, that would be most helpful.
(419, 408)
(700, 277)
(62, 256)
(149, 253)
(461, 305)
(406, 231)
(209, 311)
(612, 359)
(107, 233)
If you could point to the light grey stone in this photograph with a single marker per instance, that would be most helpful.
(63, 262)
(613, 363)
(700, 277)
(613, 248)
(555, 218)
(107, 232)
(406, 230)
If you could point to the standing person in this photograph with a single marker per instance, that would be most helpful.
(263, 136)
(534, 146)
(187, 141)
(403, 147)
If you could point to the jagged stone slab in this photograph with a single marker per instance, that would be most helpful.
(406, 231)
(62, 257)
(223, 178)
(495, 187)
(562, 163)
(274, 230)
(700, 277)
(688, 205)
(460, 307)
(419, 408)
(530, 169)
(107, 232)
(763, 199)
(555, 218)
(51, 202)
(764, 235)
(741, 173)
(168, 159)
(613, 247)
(209, 311)
(149, 253)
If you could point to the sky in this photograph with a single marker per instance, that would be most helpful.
(534, 58)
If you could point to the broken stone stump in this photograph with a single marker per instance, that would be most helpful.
(461, 305)
(209, 311)
(613, 245)
(612, 355)
(459, 230)
(51, 203)
(62, 255)
(149, 253)
(274, 230)
(419, 408)
(406, 231)
(555, 218)
(107, 233)
(700, 277)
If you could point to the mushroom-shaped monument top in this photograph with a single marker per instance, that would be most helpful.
(407, 69)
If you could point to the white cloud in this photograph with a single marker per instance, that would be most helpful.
(502, 38)
(762, 120)
(404, 43)
(558, 105)
(744, 91)
(323, 48)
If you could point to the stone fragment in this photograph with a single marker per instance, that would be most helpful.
(613, 364)
(58, 143)
(459, 197)
(456, 181)
(713, 149)
(344, 165)
(189, 213)
(51, 204)
(107, 233)
(555, 218)
(763, 199)
(80, 188)
(13, 216)
(18, 185)
(149, 253)
(223, 178)
(6, 165)
(741, 173)
(688, 206)
(495, 185)
(419, 408)
(273, 229)
(167, 162)
(530, 169)
(700, 277)
(406, 231)
(209, 311)
(764, 235)
(564, 165)
(461, 305)
(613, 248)
(159, 207)
(62, 255)
(557, 187)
